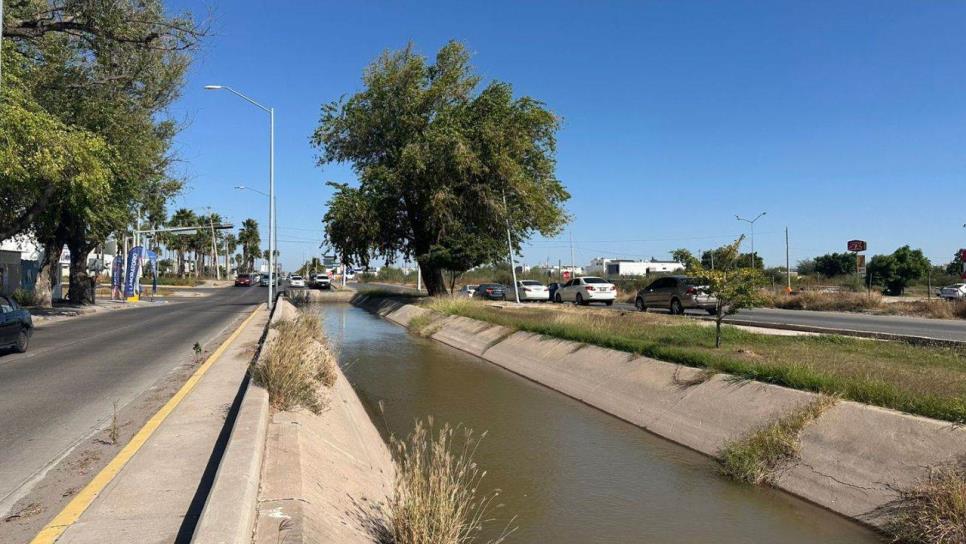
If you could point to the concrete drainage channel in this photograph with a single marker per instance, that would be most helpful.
(852, 458)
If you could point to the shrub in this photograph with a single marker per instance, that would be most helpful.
(437, 497)
(934, 510)
(24, 297)
(298, 364)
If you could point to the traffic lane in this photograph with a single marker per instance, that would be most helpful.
(937, 329)
(63, 389)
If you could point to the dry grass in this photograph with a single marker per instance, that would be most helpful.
(845, 301)
(297, 365)
(924, 380)
(437, 497)
(934, 511)
(757, 457)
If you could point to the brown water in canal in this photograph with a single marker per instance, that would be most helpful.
(568, 472)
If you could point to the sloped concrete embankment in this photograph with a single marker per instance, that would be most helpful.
(852, 460)
(303, 296)
(324, 477)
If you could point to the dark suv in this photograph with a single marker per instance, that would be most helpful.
(16, 326)
(676, 293)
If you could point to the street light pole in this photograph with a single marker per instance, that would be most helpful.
(263, 193)
(509, 245)
(271, 187)
(752, 223)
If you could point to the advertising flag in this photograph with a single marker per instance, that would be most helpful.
(117, 272)
(133, 273)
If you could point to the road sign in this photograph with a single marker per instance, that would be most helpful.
(857, 245)
(860, 264)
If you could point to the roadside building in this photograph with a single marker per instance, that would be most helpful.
(627, 267)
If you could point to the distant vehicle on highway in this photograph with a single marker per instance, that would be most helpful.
(16, 326)
(586, 290)
(296, 281)
(263, 281)
(676, 293)
(243, 280)
(532, 290)
(956, 291)
(490, 291)
(320, 281)
(467, 290)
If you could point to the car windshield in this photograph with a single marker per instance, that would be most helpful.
(296, 277)
(530, 282)
(595, 280)
(471, 287)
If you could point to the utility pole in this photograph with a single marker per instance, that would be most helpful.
(509, 246)
(573, 268)
(419, 277)
(214, 244)
(788, 270)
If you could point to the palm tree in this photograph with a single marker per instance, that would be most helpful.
(230, 244)
(182, 243)
(250, 240)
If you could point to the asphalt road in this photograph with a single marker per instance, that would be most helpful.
(62, 390)
(938, 329)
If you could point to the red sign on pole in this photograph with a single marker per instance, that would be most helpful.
(857, 245)
(962, 259)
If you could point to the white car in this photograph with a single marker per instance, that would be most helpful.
(296, 281)
(956, 291)
(467, 291)
(586, 290)
(320, 281)
(532, 290)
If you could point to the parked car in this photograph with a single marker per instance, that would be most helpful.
(552, 290)
(676, 293)
(490, 291)
(956, 291)
(320, 281)
(532, 290)
(16, 326)
(467, 290)
(296, 281)
(586, 290)
(243, 280)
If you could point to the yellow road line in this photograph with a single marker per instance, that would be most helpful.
(72, 512)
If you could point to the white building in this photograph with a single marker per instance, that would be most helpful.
(627, 267)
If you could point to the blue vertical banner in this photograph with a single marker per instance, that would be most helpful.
(117, 272)
(133, 273)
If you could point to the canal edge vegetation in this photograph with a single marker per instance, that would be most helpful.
(756, 457)
(297, 366)
(929, 381)
(927, 510)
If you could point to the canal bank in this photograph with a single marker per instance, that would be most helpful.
(852, 459)
(568, 472)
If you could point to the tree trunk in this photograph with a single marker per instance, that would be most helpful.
(717, 329)
(79, 291)
(49, 274)
(433, 280)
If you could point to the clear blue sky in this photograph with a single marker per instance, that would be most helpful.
(841, 119)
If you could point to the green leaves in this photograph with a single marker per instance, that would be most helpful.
(435, 159)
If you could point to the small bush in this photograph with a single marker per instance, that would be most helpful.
(756, 458)
(24, 297)
(934, 510)
(298, 364)
(437, 497)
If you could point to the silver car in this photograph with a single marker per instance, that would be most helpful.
(676, 293)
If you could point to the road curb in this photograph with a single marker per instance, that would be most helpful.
(229, 513)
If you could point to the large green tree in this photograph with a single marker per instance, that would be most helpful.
(898, 270)
(440, 162)
(835, 264)
(108, 68)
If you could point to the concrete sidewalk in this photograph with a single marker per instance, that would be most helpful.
(155, 497)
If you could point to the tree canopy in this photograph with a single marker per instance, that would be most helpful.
(835, 264)
(436, 158)
(898, 270)
(734, 286)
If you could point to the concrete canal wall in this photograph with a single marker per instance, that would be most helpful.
(852, 459)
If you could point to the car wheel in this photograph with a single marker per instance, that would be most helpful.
(676, 308)
(557, 299)
(580, 300)
(639, 304)
(712, 311)
(609, 302)
(23, 341)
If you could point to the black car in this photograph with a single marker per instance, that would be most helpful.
(490, 291)
(15, 325)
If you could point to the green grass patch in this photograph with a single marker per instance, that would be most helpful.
(756, 458)
(924, 380)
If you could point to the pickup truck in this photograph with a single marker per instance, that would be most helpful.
(320, 281)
